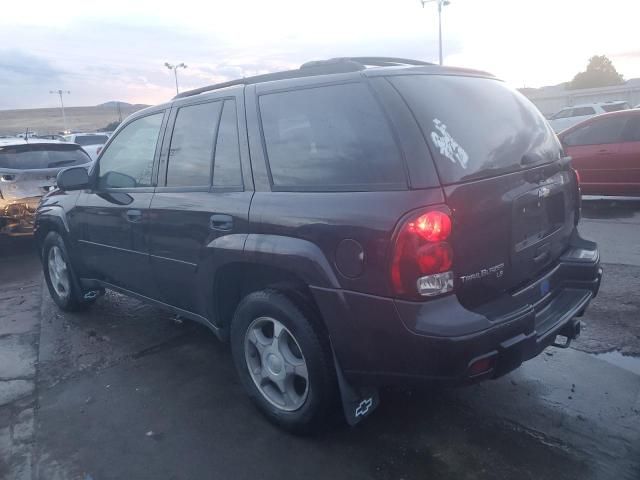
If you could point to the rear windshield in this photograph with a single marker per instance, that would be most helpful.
(477, 127)
(35, 156)
(91, 139)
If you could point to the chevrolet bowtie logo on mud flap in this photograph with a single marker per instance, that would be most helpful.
(364, 407)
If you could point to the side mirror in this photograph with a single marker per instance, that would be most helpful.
(73, 178)
(117, 180)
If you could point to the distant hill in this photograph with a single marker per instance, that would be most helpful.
(49, 120)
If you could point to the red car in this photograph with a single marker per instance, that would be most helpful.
(606, 153)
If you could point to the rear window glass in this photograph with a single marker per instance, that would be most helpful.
(330, 138)
(616, 107)
(477, 127)
(582, 111)
(34, 156)
(91, 139)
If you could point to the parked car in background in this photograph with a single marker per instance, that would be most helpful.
(91, 142)
(51, 136)
(340, 224)
(28, 170)
(569, 116)
(606, 153)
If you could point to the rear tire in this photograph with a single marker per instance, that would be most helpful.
(62, 281)
(284, 361)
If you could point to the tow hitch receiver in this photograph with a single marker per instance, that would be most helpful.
(570, 331)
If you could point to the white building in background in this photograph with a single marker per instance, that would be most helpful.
(551, 99)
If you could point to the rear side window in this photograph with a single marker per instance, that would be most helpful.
(38, 156)
(616, 107)
(192, 143)
(597, 132)
(330, 138)
(477, 127)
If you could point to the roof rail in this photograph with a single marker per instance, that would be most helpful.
(310, 69)
(367, 61)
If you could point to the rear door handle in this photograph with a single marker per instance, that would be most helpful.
(221, 222)
(134, 216)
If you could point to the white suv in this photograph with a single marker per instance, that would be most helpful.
(569, 116)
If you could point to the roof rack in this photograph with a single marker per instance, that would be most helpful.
(310, 69)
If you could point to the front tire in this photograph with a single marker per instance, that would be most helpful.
(284, 361)
(62, 282)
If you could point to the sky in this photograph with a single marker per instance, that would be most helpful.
(116, 49)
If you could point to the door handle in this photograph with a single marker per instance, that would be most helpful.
(220, 222)
(134, 216)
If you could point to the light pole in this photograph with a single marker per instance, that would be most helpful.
(175, 71)
(441, 3)
(64, 117)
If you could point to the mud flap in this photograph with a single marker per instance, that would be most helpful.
(357, 402)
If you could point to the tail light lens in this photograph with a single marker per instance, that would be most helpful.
(422, 257)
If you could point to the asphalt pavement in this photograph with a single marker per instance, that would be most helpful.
(127, 391)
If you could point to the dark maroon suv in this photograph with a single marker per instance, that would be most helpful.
(354, 223)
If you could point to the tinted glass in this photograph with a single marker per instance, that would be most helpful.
(226, 170)
(616, 107)
(130, 154)
(567, 112)
(582, 111)
(477, 127)
(31, 157)
(333, 137)
(91, 139)
(602, 131)
(632, 129)
(191, 151)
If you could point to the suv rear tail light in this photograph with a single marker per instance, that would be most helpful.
(422, 258)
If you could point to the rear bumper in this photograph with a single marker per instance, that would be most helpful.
(382, 341)
(17, 216)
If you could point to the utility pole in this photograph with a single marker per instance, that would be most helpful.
(175, 71)
(440, 3)
(64, 117)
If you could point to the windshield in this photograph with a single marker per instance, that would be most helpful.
(477, 127)
(37, 156)
(91, 139)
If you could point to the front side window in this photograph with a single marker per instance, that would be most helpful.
(632, 129)
(192, 143)
(128, 160)
(563, 114)
(330, 138)
(599, 132)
